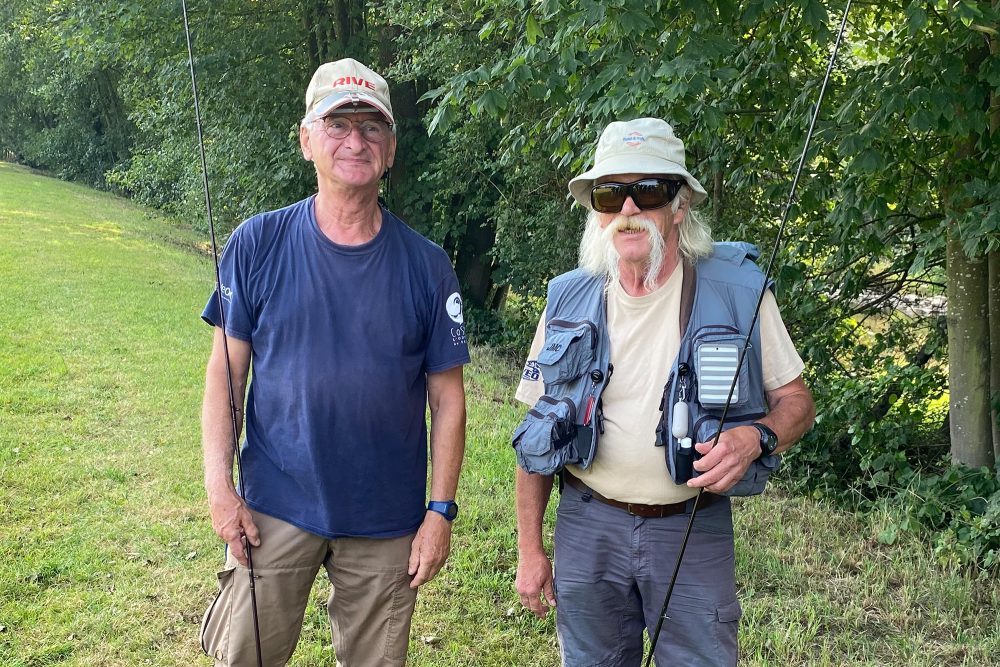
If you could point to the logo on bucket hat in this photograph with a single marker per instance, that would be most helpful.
(634, 139)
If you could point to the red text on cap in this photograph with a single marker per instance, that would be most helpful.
(352, 81)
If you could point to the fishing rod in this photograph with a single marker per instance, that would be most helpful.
(753, 322)
(222, 320)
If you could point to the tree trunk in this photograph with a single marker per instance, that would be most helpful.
(335, 29)
(994, 304)
(410, 132)
(309, 20)
(717, 194)
(968, 357)
(111, 122)
(474, 265)
(351, 30)
(994, 278)
(969, 344)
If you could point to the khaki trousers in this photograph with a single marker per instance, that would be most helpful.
(370, 604)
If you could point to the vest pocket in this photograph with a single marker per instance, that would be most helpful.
(543, 442)
(716, 351)
(754, 480)
(569, 350)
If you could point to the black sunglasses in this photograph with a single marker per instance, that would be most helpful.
(649, 193)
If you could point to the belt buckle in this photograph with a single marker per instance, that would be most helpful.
(647, 511)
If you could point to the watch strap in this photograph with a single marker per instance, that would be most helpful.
(768, 439)
(446, 508)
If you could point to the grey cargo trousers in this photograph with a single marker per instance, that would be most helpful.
(612, 570)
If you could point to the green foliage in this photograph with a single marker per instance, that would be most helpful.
(110, 98)
(892, 447)
(62, 109)
(509, 330)
(960, 507)
(250, 113)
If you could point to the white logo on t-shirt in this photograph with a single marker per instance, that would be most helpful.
(454, 307)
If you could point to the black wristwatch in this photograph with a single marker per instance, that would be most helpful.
(446, 508)
(768, 439)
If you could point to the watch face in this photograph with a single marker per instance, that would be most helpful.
(452, 510)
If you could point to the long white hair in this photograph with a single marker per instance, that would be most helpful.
(599, 255)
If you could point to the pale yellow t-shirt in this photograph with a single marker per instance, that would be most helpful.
(645, 336)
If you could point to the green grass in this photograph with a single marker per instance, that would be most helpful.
(107, 557)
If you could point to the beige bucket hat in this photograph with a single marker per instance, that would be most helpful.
(640, 146)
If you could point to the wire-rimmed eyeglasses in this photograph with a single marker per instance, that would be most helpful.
(338, 127)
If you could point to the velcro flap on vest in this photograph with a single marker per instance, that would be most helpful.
(569, 350)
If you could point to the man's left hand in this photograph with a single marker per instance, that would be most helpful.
(724, 464)
(430, 548)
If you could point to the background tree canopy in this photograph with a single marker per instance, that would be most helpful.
(500, 103)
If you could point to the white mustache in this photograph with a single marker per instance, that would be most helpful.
(633, 223)
(599, 255)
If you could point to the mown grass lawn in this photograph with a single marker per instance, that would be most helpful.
(107, 557)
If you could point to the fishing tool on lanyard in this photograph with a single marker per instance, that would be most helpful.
(753, 322)
(222, 322)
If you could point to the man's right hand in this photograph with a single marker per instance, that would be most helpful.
(534, 583)
(231, 520)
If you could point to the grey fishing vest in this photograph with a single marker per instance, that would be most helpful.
(717, 303)
(565, 424)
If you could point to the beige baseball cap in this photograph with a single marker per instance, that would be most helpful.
(346, 82)
(640, 146)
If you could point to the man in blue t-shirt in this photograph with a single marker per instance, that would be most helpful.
(352, 324)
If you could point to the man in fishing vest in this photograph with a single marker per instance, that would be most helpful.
(352, 324)
(628, 374)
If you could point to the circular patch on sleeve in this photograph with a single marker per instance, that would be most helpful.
(454, 307)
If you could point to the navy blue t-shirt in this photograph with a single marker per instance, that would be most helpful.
(341, 337)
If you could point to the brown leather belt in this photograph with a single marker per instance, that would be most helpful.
(638, 509)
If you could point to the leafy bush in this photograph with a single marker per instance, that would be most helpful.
(881, 440)
(509, 330)
(961, 509)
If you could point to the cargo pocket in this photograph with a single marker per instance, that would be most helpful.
(728, 617)
(215, 623)
(543, 441)
(569, 350)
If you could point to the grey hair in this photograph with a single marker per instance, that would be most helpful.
(694, 234)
